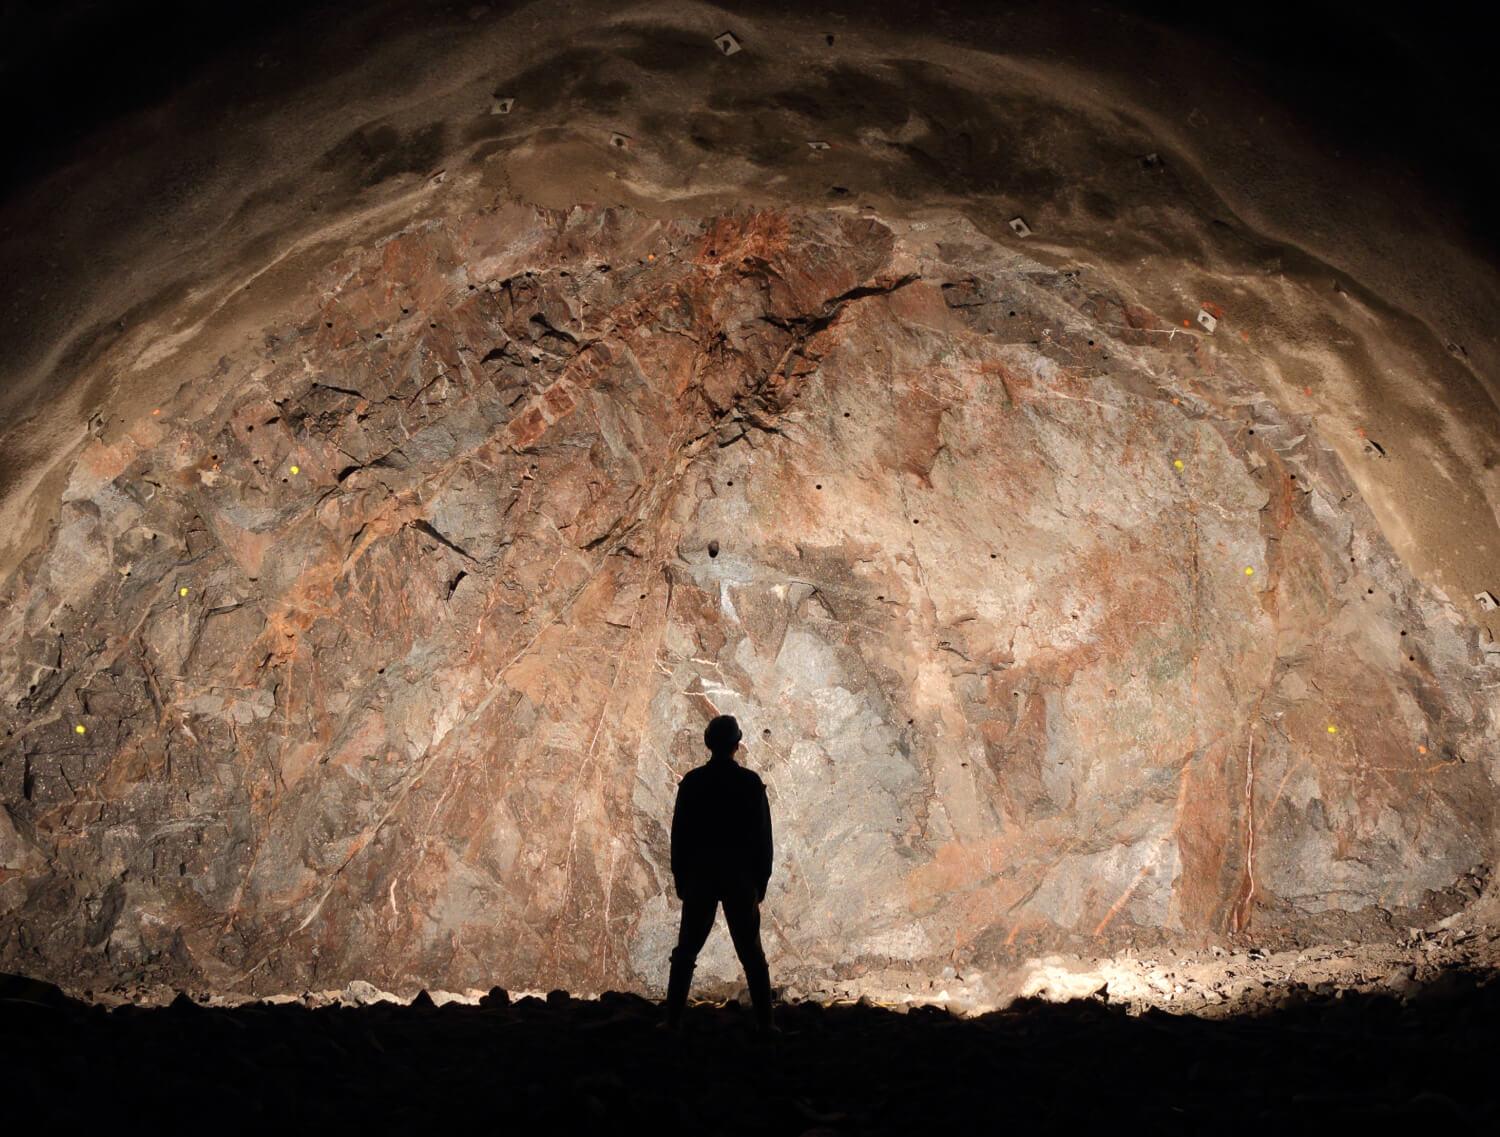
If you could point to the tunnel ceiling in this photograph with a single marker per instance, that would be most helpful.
(1076, 471)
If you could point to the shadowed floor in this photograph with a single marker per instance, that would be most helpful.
(567, 1064)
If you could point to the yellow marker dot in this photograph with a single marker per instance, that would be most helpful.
(1177, 463)
(1249, 571)
(182, 591)
(1332, 729)
(80, 729)
(296, 469)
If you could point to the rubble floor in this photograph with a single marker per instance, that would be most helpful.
(1414, 1051)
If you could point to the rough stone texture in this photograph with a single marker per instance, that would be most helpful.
(1015, 679)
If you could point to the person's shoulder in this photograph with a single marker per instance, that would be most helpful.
(698, 776)
(751, 778)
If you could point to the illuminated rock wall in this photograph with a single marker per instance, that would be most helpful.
(378, 655)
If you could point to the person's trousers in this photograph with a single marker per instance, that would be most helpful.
(742, 912)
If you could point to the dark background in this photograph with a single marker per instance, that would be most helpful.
(1412, 83)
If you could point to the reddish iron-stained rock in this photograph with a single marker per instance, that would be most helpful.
(1044, 629)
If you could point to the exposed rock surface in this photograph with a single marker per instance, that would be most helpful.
(370, 661)
(377, 653)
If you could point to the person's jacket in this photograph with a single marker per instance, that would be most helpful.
(721, 832)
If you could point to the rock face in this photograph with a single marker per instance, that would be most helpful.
(379, 655)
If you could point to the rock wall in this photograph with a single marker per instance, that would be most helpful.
(377, 653)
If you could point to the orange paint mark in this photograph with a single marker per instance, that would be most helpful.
(1359, 430)
(1279, 788)
(1421, 750)
(1307, 391)
(1245, 336)
(1124, 897)
(1187, 323)
(157, 411)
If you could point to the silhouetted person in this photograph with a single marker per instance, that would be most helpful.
(721, 854)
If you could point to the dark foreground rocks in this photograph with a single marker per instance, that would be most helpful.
(565, 1065)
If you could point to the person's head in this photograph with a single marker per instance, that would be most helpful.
(722, 735)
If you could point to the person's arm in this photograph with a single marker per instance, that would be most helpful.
(679, 841)
(765, 841)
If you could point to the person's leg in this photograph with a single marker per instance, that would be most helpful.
(697, 922)
(742, 913)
